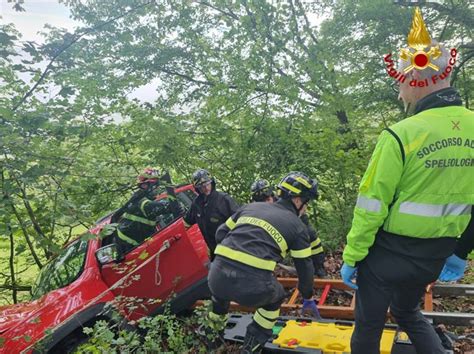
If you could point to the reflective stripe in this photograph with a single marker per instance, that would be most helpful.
(303, 181)
(316, 247)
(277, 237)
(369, 204)
(142, 205)
(262, 321)
(125, 238)
(245, 258)
(230, 223)
(290, 187)
(316, 243)
(254, 349)
(139, 219)
(271, 315)
(435, 210)
(306, 252)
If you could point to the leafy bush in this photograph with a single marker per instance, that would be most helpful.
(165, 332)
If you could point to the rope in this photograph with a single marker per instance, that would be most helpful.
(166, 245)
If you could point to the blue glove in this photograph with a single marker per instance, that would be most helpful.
(348, 274)
(309, 307)
(453, 269)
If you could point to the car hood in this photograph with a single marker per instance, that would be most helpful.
(12, 315)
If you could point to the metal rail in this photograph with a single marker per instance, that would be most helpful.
(454, 289)
(451, 318)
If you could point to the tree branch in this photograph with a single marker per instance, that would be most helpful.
(76, 37)
(15, 287)
(6, 195)
(228, 14)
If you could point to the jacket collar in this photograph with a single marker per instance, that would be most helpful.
(442, 98)
(205, 198)
(287, 204)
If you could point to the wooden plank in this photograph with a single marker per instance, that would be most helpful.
(347, 312)
(339, 312)
(318, 283)
(428, 299)
(294, 297)
(353, 302)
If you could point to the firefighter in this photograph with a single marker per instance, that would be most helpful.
(250, 243)
(210, 208)
(414, 200)
(262, 191)
(141, 213)
(317, 250)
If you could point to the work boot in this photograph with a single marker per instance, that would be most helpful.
(318, 263)
(320, 273)
(251, 345)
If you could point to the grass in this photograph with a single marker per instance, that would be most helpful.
(24, 263)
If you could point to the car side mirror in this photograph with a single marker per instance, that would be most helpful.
(107, 254)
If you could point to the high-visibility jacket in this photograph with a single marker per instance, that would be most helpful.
(419, 182)
(260, 235)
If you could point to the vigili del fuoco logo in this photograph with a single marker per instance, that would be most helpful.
(415, 55)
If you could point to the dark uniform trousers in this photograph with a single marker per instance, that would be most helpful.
(388, 279)
(229, 280)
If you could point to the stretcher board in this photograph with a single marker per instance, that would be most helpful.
(296, 335)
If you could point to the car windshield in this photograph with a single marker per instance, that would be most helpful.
(62, 270)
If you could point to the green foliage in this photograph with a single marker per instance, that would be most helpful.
(162, 333)
(247, 89)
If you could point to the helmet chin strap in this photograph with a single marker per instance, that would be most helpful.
(408, 109)
(301, 207)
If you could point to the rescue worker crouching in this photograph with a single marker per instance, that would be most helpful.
(210, 208)
(262, 191)
(250, 244)
(141, 213)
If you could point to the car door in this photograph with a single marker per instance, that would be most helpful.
(165, 264)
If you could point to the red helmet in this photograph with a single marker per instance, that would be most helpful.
(149, 175)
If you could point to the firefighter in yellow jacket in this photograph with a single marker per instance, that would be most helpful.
(414, 201)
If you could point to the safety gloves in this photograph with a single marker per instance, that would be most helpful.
(348, 274)
(453, 269)
(310, 308)
(177, 209)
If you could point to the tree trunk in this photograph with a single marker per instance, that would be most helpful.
(12, 266)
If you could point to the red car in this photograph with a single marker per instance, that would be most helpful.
(73, 288)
